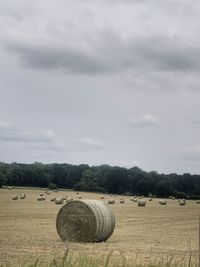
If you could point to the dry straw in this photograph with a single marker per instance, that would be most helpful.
(141, 202)
(59, 201)
(85, 221)
(163, 202)
(22, 196)
(15, 197)
(182, 202)
(111, 201)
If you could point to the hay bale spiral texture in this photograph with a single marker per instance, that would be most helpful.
(85, 221)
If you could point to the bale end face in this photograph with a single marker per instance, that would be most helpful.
(85, 221)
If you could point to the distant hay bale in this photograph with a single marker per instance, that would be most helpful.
(52, 199)
(48, 193)
(182, 202)
(15, 197)
(173, 198)
(55, 191)
(39, 198)
(132, 198)
(116, 195)
(111, 201)
(77, 193)
(43, 198)
(59, 201)
(121, 201)
(198, 201)
(135, 200)
(69, 199)
(79, 197)
(141, 202)
(150, 199)
(22, 196)
(102, 197)
(9, 188)
(163, 202)
(85, 221)
(41, 194)
(64, 198)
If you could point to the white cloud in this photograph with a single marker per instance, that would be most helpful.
(147, 120)
(14, 133)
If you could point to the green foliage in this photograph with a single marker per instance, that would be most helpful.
(52, 186)
(104, 178)
(3, 179)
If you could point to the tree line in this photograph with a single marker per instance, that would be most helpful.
(104, 178)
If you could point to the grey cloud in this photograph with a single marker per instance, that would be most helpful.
(144, 121)
(57, 56)
(109, 53)
(13, 133)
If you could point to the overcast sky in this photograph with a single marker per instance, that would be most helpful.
(101, 82)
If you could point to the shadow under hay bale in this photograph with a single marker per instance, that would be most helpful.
(85, 221)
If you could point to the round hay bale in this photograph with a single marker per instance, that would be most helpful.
(43, 198)
(198, 201)
(150, 199)
(77, 193)
(15, 197)
(182, 202)
(48, 193)
(41, 194)
(59, 201)
(9, 188)
(102, 197)
(132, 198)
(69, 199)
(111, 201)
(55, 191)
(22, 196)
(39, 198)
(80, 197)
(85, 221)
(52, 199)
(135, 200)
(141, 203)
(121, 201)
(163, 202)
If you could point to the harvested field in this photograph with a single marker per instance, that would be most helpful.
(28, 228)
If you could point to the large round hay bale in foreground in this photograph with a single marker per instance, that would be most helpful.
(85, 221)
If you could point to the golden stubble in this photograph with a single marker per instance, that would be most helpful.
(27, 228)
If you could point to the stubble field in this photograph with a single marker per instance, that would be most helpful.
(154, 232)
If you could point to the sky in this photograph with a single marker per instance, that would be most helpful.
(101, 82)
